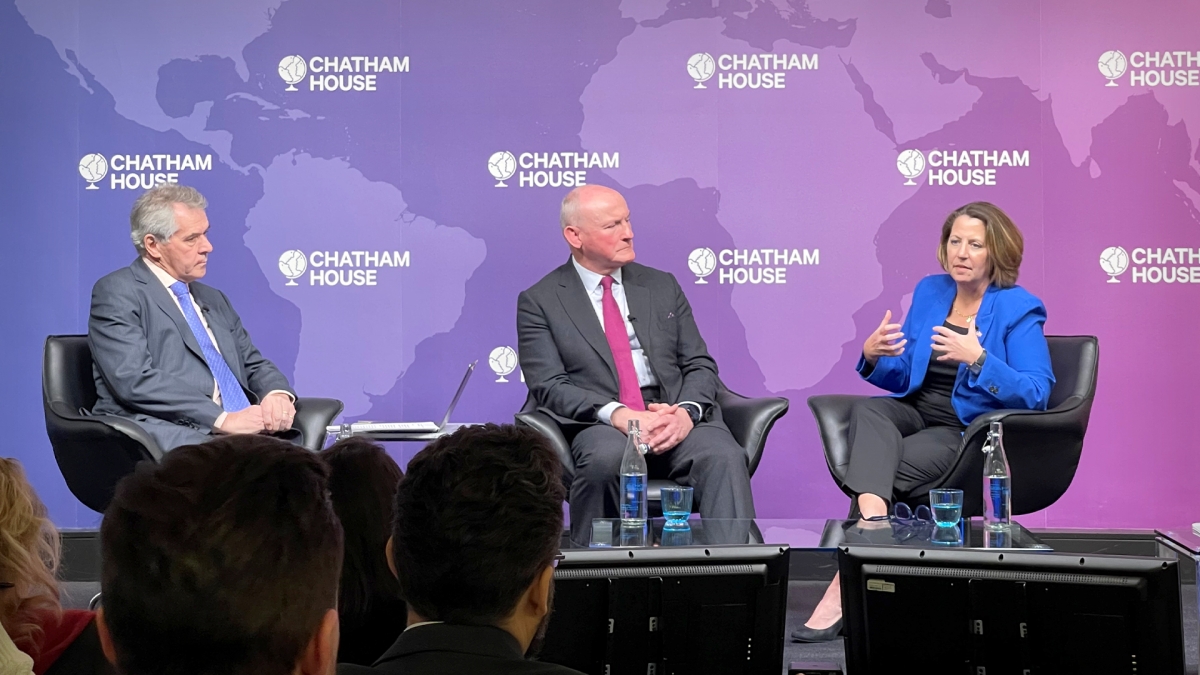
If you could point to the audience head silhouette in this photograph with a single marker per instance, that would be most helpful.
(29, 554)
(362, 485)
(224, 558)
(478, 521)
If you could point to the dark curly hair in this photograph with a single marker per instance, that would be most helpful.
(478, 516)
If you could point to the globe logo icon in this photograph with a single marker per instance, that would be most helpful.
(701, 68)
(503, 360)
(702, 262)
(292, 70)
(1114, 261)
(910, 163)
(292, 264)
(93, 167)
(502, 165)
(1112, 65)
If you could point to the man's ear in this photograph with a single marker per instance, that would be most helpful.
(106, 644)
(150, 244)
(387, 553)
(571, 234)
(320, 656)
(539, 593)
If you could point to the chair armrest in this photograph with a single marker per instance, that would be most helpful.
(312, 416)
(68, 418)
(750, 420)
(547, 427)
(976, 432)
(133, 431)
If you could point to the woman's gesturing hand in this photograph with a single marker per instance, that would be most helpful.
(884, 341)
(954, 347)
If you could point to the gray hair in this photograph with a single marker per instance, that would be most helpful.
(570, 208)
(154, 212)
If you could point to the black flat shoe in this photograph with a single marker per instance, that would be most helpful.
(806, 634)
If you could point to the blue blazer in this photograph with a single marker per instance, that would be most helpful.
(1016, 373)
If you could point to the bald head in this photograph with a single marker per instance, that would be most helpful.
(595, 223)
(581, 198)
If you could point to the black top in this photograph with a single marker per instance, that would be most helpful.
(448, 649)
(932, 400)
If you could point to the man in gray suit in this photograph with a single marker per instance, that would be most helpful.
(604, 340)
(169, 352)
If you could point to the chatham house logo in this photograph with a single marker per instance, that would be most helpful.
(1114, 261)
(93, 168)
(503, 361)
(910, 163)
(701, 68)
(292, 69)
(292, 264)
(502, 165)
(1112, 65)
(702, 262)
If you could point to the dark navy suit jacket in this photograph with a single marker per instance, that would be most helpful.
(1016, 373)
(566, 359)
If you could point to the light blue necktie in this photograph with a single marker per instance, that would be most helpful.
(233, 398)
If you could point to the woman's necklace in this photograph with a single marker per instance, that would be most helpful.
(964, 315)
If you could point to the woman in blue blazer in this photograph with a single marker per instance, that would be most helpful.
(977, 346)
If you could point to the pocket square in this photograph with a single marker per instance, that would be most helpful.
(670, 315)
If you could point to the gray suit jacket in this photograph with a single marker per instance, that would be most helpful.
(565, 357)
(148, 365)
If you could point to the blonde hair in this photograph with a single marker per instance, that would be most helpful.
(29, 556)
(1005, 245)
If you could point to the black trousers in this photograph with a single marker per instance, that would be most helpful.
(708, 460)
(894, 452)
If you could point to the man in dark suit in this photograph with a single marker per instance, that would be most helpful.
(475, 535)
(604, 340)
(169, 352)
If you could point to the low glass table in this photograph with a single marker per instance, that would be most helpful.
(808, 534)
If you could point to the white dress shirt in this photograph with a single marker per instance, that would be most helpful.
(641, 363)
(167, 280)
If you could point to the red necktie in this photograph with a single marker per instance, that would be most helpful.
(618, 342)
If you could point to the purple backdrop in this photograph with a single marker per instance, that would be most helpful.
(778, 125)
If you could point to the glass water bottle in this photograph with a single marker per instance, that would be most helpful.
(997, 481)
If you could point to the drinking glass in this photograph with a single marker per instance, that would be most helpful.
(604, 532)
(676, 506)
(947, 506)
